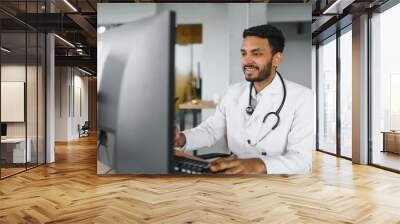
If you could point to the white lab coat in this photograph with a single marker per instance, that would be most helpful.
(285, 150)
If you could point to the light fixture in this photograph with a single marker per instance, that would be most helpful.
(101, 29)
(64, 40)
(70, 5)
(79, 51)
(5, 50)
(329, 9)
(84, 71)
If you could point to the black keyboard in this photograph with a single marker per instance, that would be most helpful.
(190, 166)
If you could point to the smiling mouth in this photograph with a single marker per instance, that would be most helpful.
(249, 69)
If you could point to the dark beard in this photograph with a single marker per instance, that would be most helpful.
(263, 75)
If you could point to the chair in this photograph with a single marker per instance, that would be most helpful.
(84, 130)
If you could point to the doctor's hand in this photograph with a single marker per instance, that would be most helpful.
(180, 138)
(233, 165)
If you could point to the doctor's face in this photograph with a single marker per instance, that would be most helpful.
(256, 58)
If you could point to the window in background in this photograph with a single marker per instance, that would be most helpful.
(385, 89)
(327, 96)
(395, 102)
(346, 93)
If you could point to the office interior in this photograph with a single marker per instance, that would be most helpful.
(48, 82)
(49, 79)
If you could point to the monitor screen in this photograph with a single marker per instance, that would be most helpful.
(136, 96)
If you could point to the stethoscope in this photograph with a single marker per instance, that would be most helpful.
(250, 109)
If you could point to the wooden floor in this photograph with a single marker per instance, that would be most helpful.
(70, 191)
(387, 159)
(10, 171)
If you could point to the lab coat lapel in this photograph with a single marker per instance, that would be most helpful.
(243, 103)
(266, 103)
(269, 103)
(263, 107)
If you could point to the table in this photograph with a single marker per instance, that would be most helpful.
(391, 141)
(16, 153)
(195, 108)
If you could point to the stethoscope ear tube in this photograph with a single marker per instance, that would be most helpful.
(277, 119)
(250, 109)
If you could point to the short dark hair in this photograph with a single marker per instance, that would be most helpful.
(274, 35)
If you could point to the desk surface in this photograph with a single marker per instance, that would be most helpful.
(13, 140)
(391, 132)
(105, 169)
(200, 105)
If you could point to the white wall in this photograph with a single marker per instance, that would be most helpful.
(79, 117)
(33, 125)
(296, 64)
(61, 103)
(223, 25)
(118, 13)
(68, 81)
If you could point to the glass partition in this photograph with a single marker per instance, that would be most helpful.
(22, 77)
(14, 154)
(327, 96)
(385, 89)
(346, 93)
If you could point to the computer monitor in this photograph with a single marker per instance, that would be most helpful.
(136, 96)
(3, 129)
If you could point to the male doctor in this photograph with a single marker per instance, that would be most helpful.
(268, 120)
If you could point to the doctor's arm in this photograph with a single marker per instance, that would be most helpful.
(300, 143)
(207, 133)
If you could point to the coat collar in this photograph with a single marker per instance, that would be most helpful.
(273, 88)
(270, 95)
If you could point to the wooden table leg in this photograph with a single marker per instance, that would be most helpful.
(195, 114)
(182, 119)
(195, 123)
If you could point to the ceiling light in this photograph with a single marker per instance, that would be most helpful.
(101, 29)
(326, 11)
(5, 50)
(84, 71)
(64, 40)
(70, 5)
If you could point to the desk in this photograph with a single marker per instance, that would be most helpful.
(391, 141)
(16, 153)
(195, 108)
(103, 168)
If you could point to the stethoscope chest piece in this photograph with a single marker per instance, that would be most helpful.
(249, 110)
